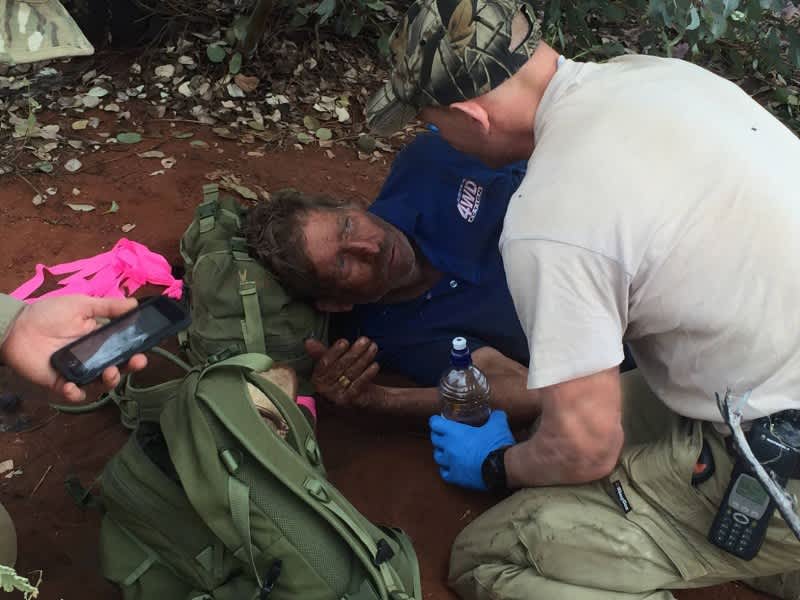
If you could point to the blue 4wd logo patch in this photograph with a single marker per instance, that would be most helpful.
(469, 199)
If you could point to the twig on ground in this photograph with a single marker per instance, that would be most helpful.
(26, 180)
(36, 487)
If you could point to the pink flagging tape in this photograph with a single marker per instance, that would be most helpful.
(114, 274)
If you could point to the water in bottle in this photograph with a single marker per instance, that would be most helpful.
(463, 389)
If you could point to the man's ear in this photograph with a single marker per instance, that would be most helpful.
(333, 306)
(474, 111)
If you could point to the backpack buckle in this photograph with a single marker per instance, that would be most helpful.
(222, 355)
(383, 553)
(270, 579)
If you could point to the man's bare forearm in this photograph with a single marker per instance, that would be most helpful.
(509, 393)
(579, 436)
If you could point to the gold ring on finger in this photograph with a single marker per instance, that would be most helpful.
(344, 381)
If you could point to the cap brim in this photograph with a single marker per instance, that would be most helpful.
(386, 113)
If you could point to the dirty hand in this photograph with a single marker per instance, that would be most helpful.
(48, 325)
(460, 449)
(343, 373)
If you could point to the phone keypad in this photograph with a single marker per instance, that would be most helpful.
(735, 531)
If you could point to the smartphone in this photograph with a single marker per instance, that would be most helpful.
(115, 342)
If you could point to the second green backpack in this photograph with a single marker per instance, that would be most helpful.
(237, 305)
(220, 494)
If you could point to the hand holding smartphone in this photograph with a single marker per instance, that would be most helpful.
(115, 342)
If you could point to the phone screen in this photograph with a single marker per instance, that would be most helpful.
(129, 332)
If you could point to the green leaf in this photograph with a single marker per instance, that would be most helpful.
(694, 19)
(304, 138)
(794, 47)
(215, 53)
(376, 5)
(235, 65)
(615, 13)
(354, 25)
(10, 581)
(112, 209)
(198, 144)
(129, 138)
(182, 135)
(44, 166)
(324, 134)
(325, 10)
(383, 44)
(239, 26)
(366, 143)
(311, 123)
(298, 20)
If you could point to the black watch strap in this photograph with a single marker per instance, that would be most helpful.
(493, 470)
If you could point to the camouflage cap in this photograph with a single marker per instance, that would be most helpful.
(445, 51)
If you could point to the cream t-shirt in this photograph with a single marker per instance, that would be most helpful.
(661, 206)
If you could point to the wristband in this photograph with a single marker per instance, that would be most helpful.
(493, 470)
(309, 403)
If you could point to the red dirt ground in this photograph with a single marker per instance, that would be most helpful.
(384, 467)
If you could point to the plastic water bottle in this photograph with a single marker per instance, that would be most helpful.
(463, 389)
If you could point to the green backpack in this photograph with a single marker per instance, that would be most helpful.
(237, 305)
(210, 501)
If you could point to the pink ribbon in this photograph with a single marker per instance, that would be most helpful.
(114, 274)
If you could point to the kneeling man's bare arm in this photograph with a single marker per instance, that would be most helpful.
(579, 435)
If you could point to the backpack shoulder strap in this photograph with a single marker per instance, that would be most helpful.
(136, 404)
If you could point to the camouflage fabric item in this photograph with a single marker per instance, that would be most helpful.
(445, 51)
(34, 30)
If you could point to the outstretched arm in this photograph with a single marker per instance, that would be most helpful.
(344, 375)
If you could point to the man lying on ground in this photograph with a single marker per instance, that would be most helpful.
(418, 268)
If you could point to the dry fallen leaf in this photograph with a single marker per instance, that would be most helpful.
(151, 154)
(128, 227)
(168, 162)
(80, 207)
(165, 71)
(246, 83)
(72, 165)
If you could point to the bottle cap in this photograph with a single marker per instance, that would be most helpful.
(459, 354)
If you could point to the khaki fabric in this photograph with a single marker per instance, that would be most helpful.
(660, 207)
(576, 542)
(34, 30)
(9, 309)
(8, 539)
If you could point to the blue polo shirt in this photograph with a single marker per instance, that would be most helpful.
(452, 207)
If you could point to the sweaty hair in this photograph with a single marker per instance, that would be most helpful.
(274, 234)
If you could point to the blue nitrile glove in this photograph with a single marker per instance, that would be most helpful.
(460, 449)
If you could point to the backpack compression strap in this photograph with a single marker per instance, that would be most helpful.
(252, 325)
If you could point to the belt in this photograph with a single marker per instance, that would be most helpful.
(730, 446)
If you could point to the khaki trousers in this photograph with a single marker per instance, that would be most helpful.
(577, 542)
(8, 539)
